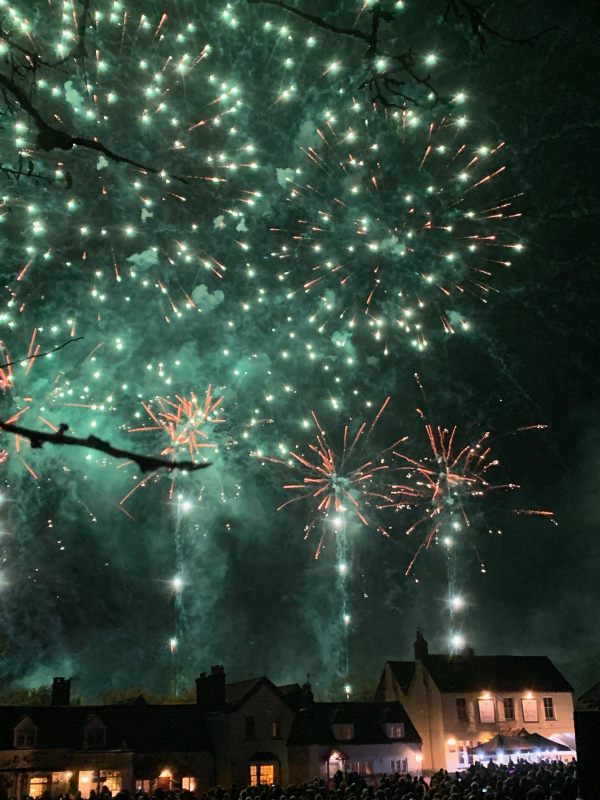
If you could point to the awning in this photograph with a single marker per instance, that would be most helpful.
(524, 742)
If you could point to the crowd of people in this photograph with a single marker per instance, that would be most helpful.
(520, 780)
(546, 780)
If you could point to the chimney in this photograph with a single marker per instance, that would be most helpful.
(421, 647)
(468, 652)
(210, 689)
(61, 692)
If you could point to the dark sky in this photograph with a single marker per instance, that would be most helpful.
(86, 582)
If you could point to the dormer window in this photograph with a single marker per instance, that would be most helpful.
(94, 735)
(343, 732)
(394, 730)
(25, 733)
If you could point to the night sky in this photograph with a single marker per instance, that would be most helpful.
(196, 267)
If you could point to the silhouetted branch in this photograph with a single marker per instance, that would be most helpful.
(50, 138)
(146, 463)
(41, 355)
(391, 74)
(474, 14)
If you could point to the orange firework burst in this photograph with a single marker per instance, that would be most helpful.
(339, 481)
(445, 482)
(187, 424)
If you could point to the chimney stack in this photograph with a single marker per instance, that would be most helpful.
(61, 692)
(421, 647)
(210, 689)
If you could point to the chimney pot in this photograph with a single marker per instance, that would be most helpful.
(210, 689)
(61, 692)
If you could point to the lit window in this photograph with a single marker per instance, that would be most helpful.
(188, 784)
(549, 708)
(262, 774)
(38, 785)
(509, 708)
(395, 730)
(112, 780)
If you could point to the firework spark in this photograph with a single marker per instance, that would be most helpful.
(397, 223)
(339, 484)
(447, 484)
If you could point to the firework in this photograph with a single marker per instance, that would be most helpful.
(187, 424)
(448, 485)
(396, 222)
(339, 484)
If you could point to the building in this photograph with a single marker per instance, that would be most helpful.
(249, 732)
(60, 748)
(249, 723)
(460, 702)
(370, 739)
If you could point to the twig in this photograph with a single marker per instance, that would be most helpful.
(479, 25)
(146, 463)
(40, 355)
(50, 138)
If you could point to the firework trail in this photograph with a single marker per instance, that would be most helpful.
(340, 487)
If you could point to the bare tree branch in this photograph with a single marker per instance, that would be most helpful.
(474, 13)
(41, 355)
(390, 72)
(146, 463)
(50, 138)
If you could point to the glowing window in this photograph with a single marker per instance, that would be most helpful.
(262, 774)
(395, 730)
(189, 784)
(38, 785)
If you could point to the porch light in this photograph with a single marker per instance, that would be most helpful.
(419, 758)
(452, 742)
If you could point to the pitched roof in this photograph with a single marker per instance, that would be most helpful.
(236, 694)
(403, 672)
(472, 673)
(313, 725)
(592, 696)
(141, 728)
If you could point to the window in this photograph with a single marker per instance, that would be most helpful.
(261, 774)
(108, 778)
(549, 708)
(95, 738)
(38, 785)
(508, 705)
(250, 728)
(400, 766)
(275, 730)
(25, 735)
(188, 784)
(461, 709)
(394, 730)
(344, 732)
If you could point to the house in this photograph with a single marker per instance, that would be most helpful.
(62, 748)
(249, 723)
(460, 702)
(367, 738)
(249, 732)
